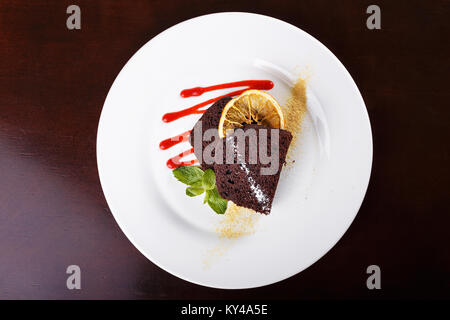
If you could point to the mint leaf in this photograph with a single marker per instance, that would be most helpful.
(198, 184)
(216, 202)
(201, 182)
(209, 179)
(188, 174)
(192, 192)
(207, 193)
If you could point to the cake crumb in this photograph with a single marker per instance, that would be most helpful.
(214, 254)
(295, 109)
(294, 112)
(237, 221)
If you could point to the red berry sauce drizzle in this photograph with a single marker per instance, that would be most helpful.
(175, 161)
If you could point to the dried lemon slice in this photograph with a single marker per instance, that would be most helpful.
(251, 107)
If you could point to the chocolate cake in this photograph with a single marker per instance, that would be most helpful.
(244, 182)
(210, 119)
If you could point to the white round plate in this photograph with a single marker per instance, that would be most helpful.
(317, 198)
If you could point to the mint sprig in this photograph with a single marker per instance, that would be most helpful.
(188, 174)
(192, 192)
(199, 182)
(209, 179)
(216, 202)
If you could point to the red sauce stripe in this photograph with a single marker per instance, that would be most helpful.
(175, 162)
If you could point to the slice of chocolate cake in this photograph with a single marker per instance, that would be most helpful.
(209, 120)
(252, 182)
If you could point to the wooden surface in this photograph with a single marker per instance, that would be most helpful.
(53, 83)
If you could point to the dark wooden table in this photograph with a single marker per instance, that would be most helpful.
(53, 83)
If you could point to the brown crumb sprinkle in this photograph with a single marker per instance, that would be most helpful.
(295, 109)
(237, 221)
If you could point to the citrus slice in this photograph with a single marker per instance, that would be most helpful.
(251, 107)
